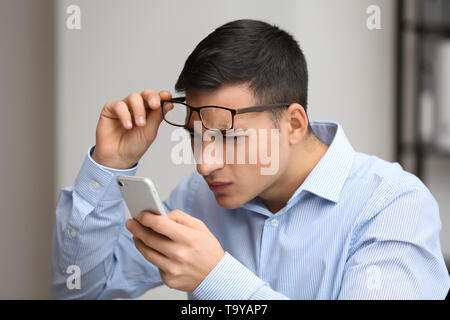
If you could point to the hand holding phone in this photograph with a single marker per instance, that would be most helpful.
(139, 194)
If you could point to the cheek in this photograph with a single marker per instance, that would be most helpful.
(250, 181)
(271, 151)
(245, 173)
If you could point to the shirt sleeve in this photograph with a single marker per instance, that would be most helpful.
(93, 254)
(396, 252)
(231, 280)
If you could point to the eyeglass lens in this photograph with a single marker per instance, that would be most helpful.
(212, 118)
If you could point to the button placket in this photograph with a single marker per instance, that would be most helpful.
(274, 222)
(269, 234)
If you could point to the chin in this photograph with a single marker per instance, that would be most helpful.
(229, 202)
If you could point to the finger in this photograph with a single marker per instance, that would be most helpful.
(151, 239)
(165, 95)
(167, 227)
(136, 104)
(152, 98)
(186, 219)
(120, 109)
(154, 116)
(151, 255)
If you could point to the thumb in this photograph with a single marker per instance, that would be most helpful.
(155, 116)
(186, 220)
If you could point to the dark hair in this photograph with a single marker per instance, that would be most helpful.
(254, 52)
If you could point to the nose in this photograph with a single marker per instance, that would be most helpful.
(211, 158)
(206, 168)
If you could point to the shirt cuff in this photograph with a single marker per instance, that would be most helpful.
(228, 280)
(97, 183)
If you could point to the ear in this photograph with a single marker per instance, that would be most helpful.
(296, 121)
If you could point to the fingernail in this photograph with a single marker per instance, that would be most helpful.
(141, 120)
(154, 101)
(129, 124)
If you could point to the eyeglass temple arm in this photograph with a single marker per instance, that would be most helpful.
(260, 108)
(178, 99)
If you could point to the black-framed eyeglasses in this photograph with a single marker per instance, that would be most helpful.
(177, 113)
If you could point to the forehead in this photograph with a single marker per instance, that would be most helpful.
(232, 96)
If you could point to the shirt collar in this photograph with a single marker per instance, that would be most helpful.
(328, 176)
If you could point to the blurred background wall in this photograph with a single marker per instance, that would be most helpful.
(55, 81)
(27, 147)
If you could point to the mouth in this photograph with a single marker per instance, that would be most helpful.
(219, 186)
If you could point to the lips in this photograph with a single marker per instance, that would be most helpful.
(219, 186)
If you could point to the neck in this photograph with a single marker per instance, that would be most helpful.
(302, 161)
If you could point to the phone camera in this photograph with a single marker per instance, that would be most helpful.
(120, 183)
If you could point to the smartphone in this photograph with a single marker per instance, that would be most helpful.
(139, 194)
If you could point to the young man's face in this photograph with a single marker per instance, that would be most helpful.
(235, 183)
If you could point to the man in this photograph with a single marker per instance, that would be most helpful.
(328, 223)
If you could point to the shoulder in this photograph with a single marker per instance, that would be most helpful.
(183, 194)
(396, 197)
(386, 176)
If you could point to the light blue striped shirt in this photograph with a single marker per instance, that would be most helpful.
(358, 227)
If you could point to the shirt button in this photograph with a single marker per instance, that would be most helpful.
(274, 222)
(73, 233)
(96, 185)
